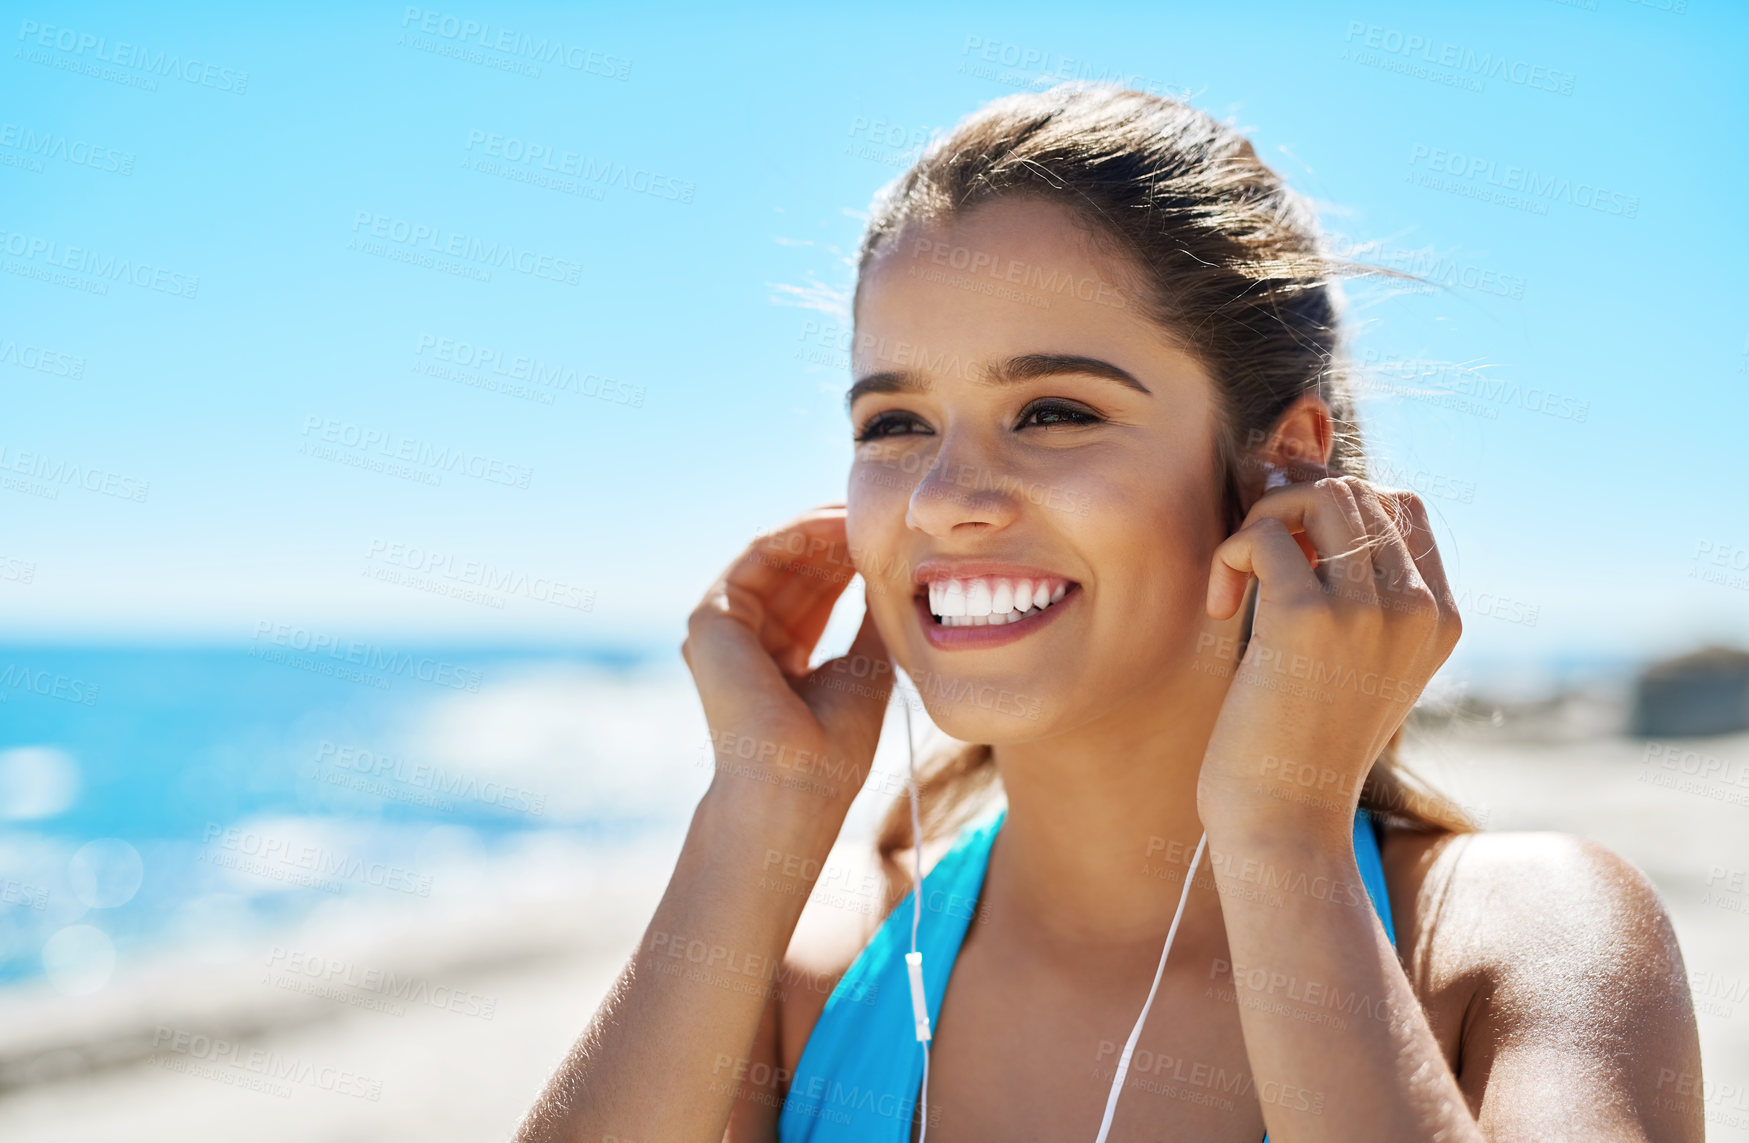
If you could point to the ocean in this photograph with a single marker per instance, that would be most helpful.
(165, 800)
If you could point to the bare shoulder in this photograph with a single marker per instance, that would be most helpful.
(1528, 905)
(1545, 955)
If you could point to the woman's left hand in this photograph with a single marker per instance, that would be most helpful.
(1354, 615)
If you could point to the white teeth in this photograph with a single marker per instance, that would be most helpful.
(985, 601)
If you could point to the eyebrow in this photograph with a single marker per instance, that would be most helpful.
(1015, 370)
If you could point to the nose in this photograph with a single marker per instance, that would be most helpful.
(962, 490)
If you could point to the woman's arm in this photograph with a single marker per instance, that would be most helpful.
(667, 1052)
(1338, 1044)
(1354, 615)
(1580, 1025)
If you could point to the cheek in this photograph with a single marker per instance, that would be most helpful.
(874, 520)
(1158, 526)
(865, 505)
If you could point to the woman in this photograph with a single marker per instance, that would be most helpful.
(1090, 326)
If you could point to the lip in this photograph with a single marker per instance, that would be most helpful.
(983, 638)
(929, 571)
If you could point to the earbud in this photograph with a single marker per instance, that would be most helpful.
(1276, 478)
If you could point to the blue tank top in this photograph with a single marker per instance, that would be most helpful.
(862, 1068)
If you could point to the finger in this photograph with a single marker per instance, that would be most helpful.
(764, 566)
(1326, 512)
(1397, 581)
(802, 601)
(1418, 539)
(793, 576)
(746, 616)
(849, 694)
(727, 656)
(1264, 548)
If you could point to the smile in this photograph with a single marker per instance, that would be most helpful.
(992, 601)
(970, 607)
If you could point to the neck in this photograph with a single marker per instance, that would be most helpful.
(1102, 824)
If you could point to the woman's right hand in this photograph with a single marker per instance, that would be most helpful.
(774, 723)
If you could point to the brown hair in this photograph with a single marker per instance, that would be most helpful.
(1235, 271)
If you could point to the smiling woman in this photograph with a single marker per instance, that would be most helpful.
(1219, 626)
(1220, 284)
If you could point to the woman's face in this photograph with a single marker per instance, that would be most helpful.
(1023, 427)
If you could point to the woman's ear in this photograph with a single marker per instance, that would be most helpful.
(1297, 450)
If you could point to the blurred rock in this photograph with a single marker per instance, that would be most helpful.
(1706, 692)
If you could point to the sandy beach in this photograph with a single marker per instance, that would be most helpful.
(442, 1024)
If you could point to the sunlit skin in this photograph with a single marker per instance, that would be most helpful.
(1538, 994)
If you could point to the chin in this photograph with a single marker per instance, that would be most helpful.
(972, 711)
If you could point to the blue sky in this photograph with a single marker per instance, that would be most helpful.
(236, 241)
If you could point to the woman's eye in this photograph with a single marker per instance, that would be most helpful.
(1058, 413)
(886, 425)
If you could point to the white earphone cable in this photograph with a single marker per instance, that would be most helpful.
(1129, 1048)
(914, 959)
